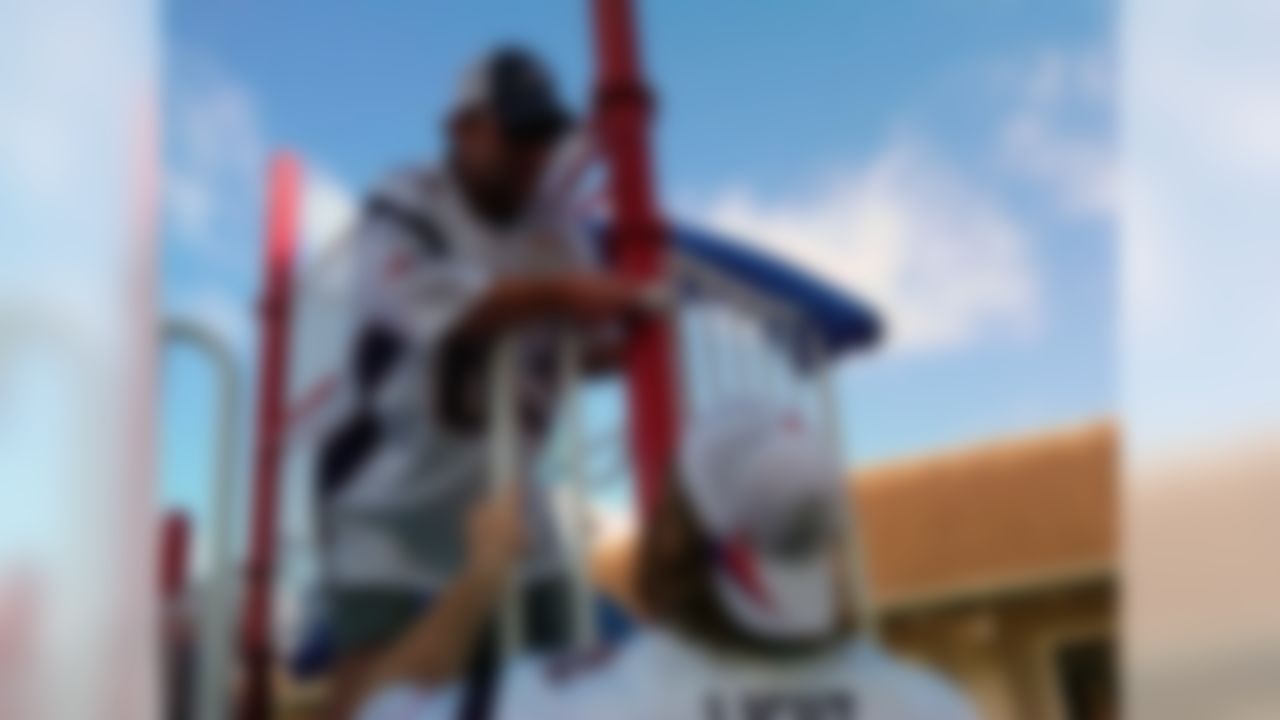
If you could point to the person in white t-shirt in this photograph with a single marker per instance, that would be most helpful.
(742, 578)
(452, 260)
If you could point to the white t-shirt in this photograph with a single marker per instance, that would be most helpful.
(659, 676)
(397, 474)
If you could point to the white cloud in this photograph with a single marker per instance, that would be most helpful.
(1055, 136)
(328, 210)
(942, 258)
(217, 151)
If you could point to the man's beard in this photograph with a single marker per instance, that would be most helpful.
(495, 201)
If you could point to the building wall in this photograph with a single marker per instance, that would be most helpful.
(1000, 648)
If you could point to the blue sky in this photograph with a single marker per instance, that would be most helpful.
(950, 160)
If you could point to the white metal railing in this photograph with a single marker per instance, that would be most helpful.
(855, 549)
(730, 347)
(579, 509)
(217, 604)
(504, 451)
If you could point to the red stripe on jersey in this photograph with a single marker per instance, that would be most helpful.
(738, 560)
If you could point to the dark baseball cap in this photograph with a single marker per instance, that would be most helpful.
(514, 85)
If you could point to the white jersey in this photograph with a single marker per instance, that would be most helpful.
(404, 462)
(661, 677)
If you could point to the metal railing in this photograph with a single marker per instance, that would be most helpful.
(217, 608)
(731, 350)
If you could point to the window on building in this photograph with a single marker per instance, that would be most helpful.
(1086, 677)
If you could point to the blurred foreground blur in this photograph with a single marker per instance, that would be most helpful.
(1200, 397)
(78, 198)
(1120, 563)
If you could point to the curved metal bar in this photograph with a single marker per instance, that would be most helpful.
(213, 684)
(504, 467)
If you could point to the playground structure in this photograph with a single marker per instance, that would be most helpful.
(742, 321)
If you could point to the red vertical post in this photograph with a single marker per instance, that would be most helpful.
(175, 551)
(624, 109)
(175, 619)
(273, 365)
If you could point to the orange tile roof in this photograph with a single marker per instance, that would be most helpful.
(994, 515)
(1002, 513)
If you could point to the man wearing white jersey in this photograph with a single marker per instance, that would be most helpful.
(451, 261)
(742, 577)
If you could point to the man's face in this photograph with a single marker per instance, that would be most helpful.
(499, 175)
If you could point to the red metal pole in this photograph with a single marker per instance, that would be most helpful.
(273, 365)
(624, 106)
(175, 554)
(175, 544)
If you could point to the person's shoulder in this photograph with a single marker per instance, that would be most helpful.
(409, 199)
(411, 184)
(919, 692)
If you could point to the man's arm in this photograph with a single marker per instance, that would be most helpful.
(579, 297)
(436, 649)
(595, 301)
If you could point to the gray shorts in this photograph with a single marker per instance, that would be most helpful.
(371, 618)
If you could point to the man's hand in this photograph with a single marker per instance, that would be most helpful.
(581, 297)
(495, 537)
(592, 300)
(602, 298)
